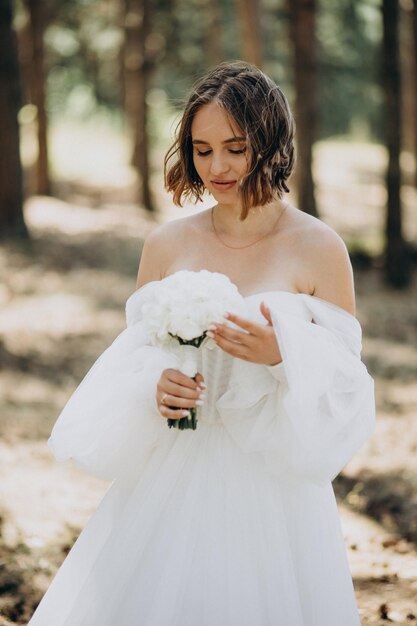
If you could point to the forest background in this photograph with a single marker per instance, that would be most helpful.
(90, 92)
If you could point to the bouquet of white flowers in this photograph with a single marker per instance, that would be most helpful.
(177, 313)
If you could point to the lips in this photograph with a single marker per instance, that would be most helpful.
(223, 185)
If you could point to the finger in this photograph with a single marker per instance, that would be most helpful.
(231, 347)
(180, 401)
(180, 391)
(199, 378)
(179, 378)
(168, 413)
(266, 313)
(238, 336)
(243, 322)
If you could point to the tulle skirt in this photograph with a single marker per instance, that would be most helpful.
(205, 535)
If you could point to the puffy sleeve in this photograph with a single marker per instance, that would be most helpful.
(312, 412)
(111, 422)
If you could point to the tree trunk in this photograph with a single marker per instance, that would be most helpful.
(37, 91)
(405, 30)
(137, 69)
(213, 32)
(415, 88)
(11, 195)
(397, 262)
(249, 14)
(302, 15)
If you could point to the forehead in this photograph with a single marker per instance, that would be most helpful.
(211, 121)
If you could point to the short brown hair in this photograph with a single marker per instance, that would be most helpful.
(261, 111)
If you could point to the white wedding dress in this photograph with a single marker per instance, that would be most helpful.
(235, 523)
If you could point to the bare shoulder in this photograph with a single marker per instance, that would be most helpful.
(160, 247)
(324, 253)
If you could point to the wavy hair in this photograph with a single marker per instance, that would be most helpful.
(261, 112)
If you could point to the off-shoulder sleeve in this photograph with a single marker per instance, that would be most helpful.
(311, 413)
(111, 422)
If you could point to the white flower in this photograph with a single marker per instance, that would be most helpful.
(186, 302)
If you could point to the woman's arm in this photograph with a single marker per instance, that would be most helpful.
(330, 271)
(155, 255)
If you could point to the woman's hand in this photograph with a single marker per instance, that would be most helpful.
(256, 343)
(176, 392)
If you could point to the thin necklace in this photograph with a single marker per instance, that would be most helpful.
(248, 244)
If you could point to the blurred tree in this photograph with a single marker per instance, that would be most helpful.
(415, 88)
(405, 30)
(397, 257)
(33, 58)
(83, 42)
(137, 73)
(11, 195)
(249, 14)
(213, 32)
(198, 34)
(349, 93)
(302, 15)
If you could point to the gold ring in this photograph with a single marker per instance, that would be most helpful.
(163, 398)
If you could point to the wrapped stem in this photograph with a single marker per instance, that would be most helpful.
(188, 352)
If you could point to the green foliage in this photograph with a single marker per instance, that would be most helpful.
(350, 98)
(84, 40)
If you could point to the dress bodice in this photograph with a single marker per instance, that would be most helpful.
(285, 301)
(217, 365)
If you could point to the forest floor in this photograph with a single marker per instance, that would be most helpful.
(62, 303)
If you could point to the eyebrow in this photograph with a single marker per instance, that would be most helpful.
(231, 140)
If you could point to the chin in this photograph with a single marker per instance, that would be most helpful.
(226, 198)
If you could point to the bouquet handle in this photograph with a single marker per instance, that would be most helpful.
(189, 355)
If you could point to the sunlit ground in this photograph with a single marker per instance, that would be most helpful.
(62, 303)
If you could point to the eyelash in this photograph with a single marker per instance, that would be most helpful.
(203, 154)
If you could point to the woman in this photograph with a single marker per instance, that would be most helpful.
(235, 523)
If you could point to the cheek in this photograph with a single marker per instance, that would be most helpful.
(199, 167)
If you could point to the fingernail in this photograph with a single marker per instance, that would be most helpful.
(185, 413)
(202, 396)
(211, 327)
(226, 315)
(210, 334)
(203, 385)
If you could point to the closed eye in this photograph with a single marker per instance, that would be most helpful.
(207, 152)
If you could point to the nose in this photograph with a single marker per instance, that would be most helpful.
(219, 164)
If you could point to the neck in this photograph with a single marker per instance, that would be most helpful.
(259, 219)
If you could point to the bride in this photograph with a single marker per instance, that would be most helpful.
(234, 523)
